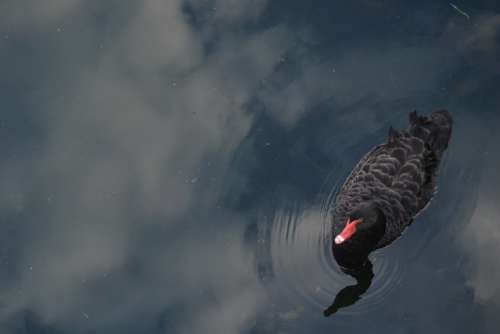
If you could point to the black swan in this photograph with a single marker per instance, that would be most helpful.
(389, 186)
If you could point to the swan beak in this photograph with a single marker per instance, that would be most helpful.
(348, 231)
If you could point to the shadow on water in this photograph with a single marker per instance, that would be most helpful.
(352, 293)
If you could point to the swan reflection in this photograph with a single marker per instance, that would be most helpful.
(352, 293)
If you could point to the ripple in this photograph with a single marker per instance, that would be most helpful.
(297, 247)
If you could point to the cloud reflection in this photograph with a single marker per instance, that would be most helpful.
(111, 219)
(134, 144)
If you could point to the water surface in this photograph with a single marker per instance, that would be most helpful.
(167, 166)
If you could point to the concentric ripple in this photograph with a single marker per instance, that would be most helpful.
(297, 244)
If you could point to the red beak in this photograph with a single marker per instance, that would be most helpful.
(348, 231)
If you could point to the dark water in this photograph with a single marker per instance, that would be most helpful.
(167, 166)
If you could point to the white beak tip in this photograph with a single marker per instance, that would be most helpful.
(339, 239)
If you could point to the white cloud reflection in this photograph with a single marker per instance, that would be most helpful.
(125, 147)
(143, 108)
(481, 236)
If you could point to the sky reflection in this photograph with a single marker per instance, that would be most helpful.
(149, 148)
